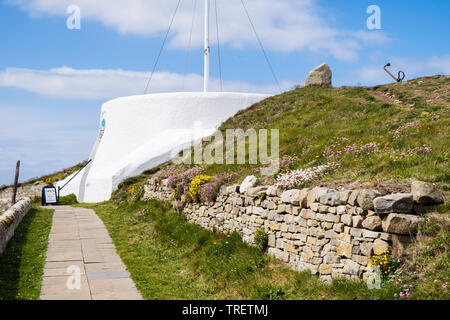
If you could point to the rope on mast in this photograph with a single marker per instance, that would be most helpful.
(162, 47)
(218, 46)
(261, 45)
(189, 45)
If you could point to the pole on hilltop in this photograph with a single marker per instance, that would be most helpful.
(16, 180)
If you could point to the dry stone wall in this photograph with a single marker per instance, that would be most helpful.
(331, 233)
(11, 219)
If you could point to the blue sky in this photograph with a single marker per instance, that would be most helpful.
(53, 80)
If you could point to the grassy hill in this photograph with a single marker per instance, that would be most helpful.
(382, 136)
(374, 133)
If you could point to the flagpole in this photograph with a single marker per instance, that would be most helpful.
(206, 49)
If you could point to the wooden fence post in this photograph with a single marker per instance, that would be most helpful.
(16, 180)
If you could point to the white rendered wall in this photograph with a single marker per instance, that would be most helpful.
(144, 131)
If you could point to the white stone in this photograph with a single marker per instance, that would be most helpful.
(320, 75)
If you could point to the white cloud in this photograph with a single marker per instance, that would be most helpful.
(95, 84)
(412, 67)
(288, 25)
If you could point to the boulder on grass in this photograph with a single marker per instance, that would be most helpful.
(319, 76)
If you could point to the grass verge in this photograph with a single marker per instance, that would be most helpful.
(22, 263)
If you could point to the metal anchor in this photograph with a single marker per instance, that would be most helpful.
(401, 74)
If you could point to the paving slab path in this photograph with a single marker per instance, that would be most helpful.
(80, 251)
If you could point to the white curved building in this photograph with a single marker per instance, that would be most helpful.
(140, 132)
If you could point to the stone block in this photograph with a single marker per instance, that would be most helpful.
(401, 223)
(372, 223)
(394, 203)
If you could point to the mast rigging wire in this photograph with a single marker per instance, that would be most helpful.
(162, 46)
(218, 46)
(261, 45)
(186, 66)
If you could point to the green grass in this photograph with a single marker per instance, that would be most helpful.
(169, 258)
(22, 263)
(67, 200)
(314, 118)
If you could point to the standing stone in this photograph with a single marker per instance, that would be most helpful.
(426, 193)
(320, 75)
(397, 203)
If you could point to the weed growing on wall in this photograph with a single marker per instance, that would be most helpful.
(385, 263)
(199, 180)
(261, 238)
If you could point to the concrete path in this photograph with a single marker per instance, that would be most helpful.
(80, 251)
